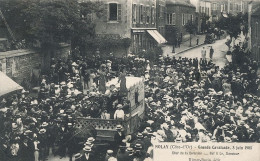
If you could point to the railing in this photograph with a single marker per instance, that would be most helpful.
(105, 128)
(98, 124)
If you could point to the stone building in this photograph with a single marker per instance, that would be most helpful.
(135, 19)
(179, 12)
(161, 16)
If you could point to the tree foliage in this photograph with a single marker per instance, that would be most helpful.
(191, 28)
(233, 24)
(50, 22)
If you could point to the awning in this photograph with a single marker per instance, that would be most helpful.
(7, 85)
(157, 36)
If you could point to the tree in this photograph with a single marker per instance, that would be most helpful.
(190, 28)
(49, 22)
(204, 25)
(233, 24)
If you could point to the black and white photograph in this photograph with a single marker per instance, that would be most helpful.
(129, 80)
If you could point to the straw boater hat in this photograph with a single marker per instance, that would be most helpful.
(91, 139)
(110, 152)
(87, 149)
(119, 127)
(44, 124)
(119, 106)
(42, 131)
(77, 156)
(88, 144)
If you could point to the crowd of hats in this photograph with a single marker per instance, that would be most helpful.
(59, 101)
(186, 100)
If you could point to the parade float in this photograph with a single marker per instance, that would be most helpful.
(106, 128)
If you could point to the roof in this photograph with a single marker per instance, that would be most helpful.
(256, 9)
(180, 3)
(12, 53)
(7, 85)
(130, 82)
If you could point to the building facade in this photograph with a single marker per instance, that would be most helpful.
(134, 19)
(178, 14)
(254, 26)
(161, 16)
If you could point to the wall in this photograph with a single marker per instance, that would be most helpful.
(18, 64)
(161, 16)
(59, 52)
(178, 28)
(121, 27)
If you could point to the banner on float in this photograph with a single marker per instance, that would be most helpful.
(206, 152)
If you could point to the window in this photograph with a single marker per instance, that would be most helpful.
(134, 13)
(214, 6)
(222, 8)
(171, 19)
(256, 29)
(141, 14)
(148, 14)
(113, 12)
(183, 19)
(161, 11)
(153, 15)
(203, 10)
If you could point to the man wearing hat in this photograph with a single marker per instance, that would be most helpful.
(109, 155)
(87, 154)
(26, 150)
(122, 155)
(139, 140)
(43, 144)
(119, 136)
(139, 153)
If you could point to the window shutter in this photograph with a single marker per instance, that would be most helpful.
(133, 13)
(138, 13)
(106, 12)
(145, 13)
(119, 12)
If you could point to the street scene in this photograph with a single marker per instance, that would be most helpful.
(101, 80)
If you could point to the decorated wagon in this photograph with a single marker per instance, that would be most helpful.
(106, 128)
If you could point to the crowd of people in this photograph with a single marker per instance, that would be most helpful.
(186, 100)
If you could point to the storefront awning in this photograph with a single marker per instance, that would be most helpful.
(157, 36)
(7, 85)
